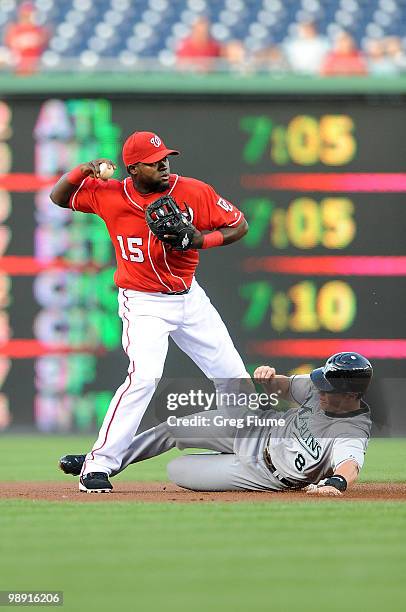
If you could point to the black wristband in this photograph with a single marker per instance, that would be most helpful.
(337, 481)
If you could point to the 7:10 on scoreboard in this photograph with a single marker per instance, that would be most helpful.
(304, 307)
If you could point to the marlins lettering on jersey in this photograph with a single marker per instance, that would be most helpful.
(303, 434)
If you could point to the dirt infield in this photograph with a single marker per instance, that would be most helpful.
(166, 492)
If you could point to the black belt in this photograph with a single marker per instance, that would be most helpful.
(292, 484)
(176, 292)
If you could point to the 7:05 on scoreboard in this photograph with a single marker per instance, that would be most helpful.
(305, 140)
(305, 224)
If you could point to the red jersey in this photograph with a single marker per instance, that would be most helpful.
(27, 41)
(144, 263)
(189, 49)
(198, 55)
(344, 64)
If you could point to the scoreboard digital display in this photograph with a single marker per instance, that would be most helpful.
(326, 213)
(322, 184)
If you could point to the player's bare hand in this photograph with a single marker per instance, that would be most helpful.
(264, 373)
(92, 168)
(326, 491)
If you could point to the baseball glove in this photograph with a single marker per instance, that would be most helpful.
(170, 224)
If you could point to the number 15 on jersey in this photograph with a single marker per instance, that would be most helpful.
(131, 251)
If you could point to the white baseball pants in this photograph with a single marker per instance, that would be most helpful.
(148, 320)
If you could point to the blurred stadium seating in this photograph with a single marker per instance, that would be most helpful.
(89, 34)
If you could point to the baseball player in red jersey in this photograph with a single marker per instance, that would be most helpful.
(158, 294)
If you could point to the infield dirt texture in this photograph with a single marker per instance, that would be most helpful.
(143, 548)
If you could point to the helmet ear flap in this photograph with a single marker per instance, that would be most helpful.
(320, 381)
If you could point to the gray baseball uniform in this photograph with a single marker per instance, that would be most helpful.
(254, 450)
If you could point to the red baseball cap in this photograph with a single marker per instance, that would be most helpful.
(145, 147)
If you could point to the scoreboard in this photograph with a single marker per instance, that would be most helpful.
(321, 182)
(326, 209)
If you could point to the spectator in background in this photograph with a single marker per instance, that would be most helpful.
(395, 53)
(378, 62)
(234, 55)
(6, 60)
(199, 49)
(271, 60)
(344, 59)
(306, 52)
(25, 40)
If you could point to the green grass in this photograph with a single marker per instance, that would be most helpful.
(385, 461)
(201, 557)
(220, 557)
(36, 458)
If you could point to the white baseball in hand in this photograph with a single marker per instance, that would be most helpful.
(106, 170)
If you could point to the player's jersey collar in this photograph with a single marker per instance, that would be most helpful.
(144, 199)
(364, 409)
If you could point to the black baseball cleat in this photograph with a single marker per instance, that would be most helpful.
(95, 482)
(72, 464)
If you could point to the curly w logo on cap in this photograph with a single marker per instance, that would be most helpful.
(145, 147)
(156, 141)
